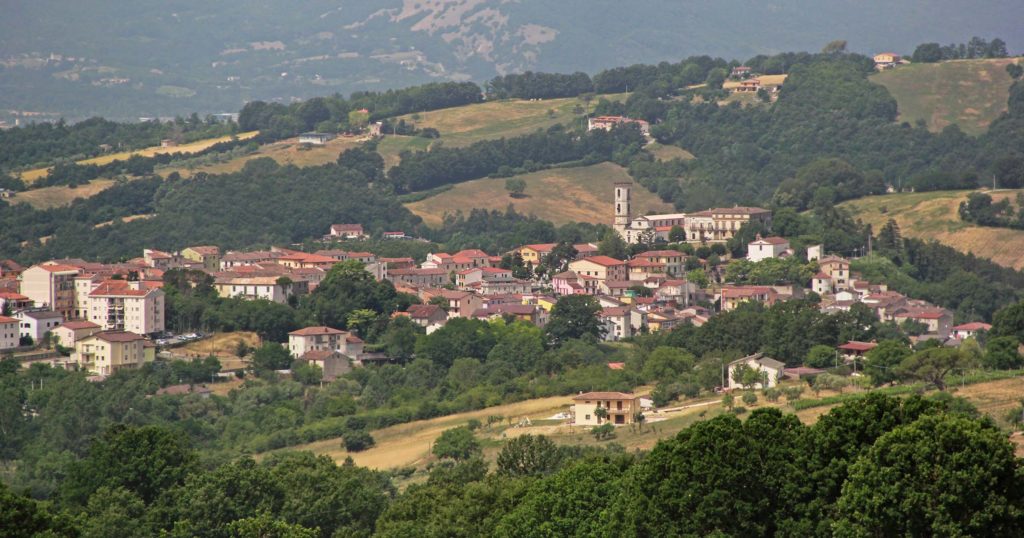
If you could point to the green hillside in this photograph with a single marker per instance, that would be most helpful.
(933, 215)
(968, 93)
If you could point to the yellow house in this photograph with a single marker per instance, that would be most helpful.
(621, 408)
(207, 255)
(535, 253)
(109, 351)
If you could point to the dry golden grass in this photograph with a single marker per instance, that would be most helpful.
(221, 345)
(766, 80)
(968, 93)
(199, 145)
(560, 195)
(129, 218)
(284, 152)
(464, 125)
(669, 152)
(933, 215)
(50, 197)
(409, 444)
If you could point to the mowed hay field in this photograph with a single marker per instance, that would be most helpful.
(561, 195)
(461, 126)
(968, 93)
(50, 197)
(933, 215)
(285, 152)
(199, 145)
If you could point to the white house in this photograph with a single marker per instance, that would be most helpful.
(315, 139)
(771, 371)
(767, 247)
(36, 323)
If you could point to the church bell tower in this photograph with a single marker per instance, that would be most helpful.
(623, 214)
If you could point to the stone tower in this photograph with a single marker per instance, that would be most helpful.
(623, 214)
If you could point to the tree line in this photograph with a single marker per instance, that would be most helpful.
(39, 144)
(975, 48)
(856, 471)
(336, 114)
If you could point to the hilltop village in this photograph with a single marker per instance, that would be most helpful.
(102, 318)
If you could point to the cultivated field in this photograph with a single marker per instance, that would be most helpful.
(461, 126)
(933, 215)
(199, 145)
(284, 152)
(50, 197)
(766, 80)
(560, 195)
(968, 93)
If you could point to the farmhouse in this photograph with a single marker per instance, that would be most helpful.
(886, 60)
(968, 330)
(770, 369)
(346, 231)
(331, 363)
(309, 339)
(620, 408)
(609, 122)
(315, 139)
(748, 86)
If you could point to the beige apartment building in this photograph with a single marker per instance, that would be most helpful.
(600, 268)
(52, 286)
(109, 351)
(9, 335)
(309, 339)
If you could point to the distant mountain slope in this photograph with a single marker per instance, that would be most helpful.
(126, 59)
(968, 93)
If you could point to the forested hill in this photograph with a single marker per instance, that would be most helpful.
(129, 59)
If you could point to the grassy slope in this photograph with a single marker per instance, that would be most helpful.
(933, 215)
(560, 195)
(464, 125)
(969, 93)
(50, 197)
(287, 151)
(31, 175)
(409, 444)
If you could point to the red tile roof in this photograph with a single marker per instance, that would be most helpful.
(853, 345)
(312, 331)
(973, 326)
(604, 260)
(5, 319)
(119, 288)
(59, 268)
(118, 336)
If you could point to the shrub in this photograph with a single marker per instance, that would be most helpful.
(749, 398)
(357, 441)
